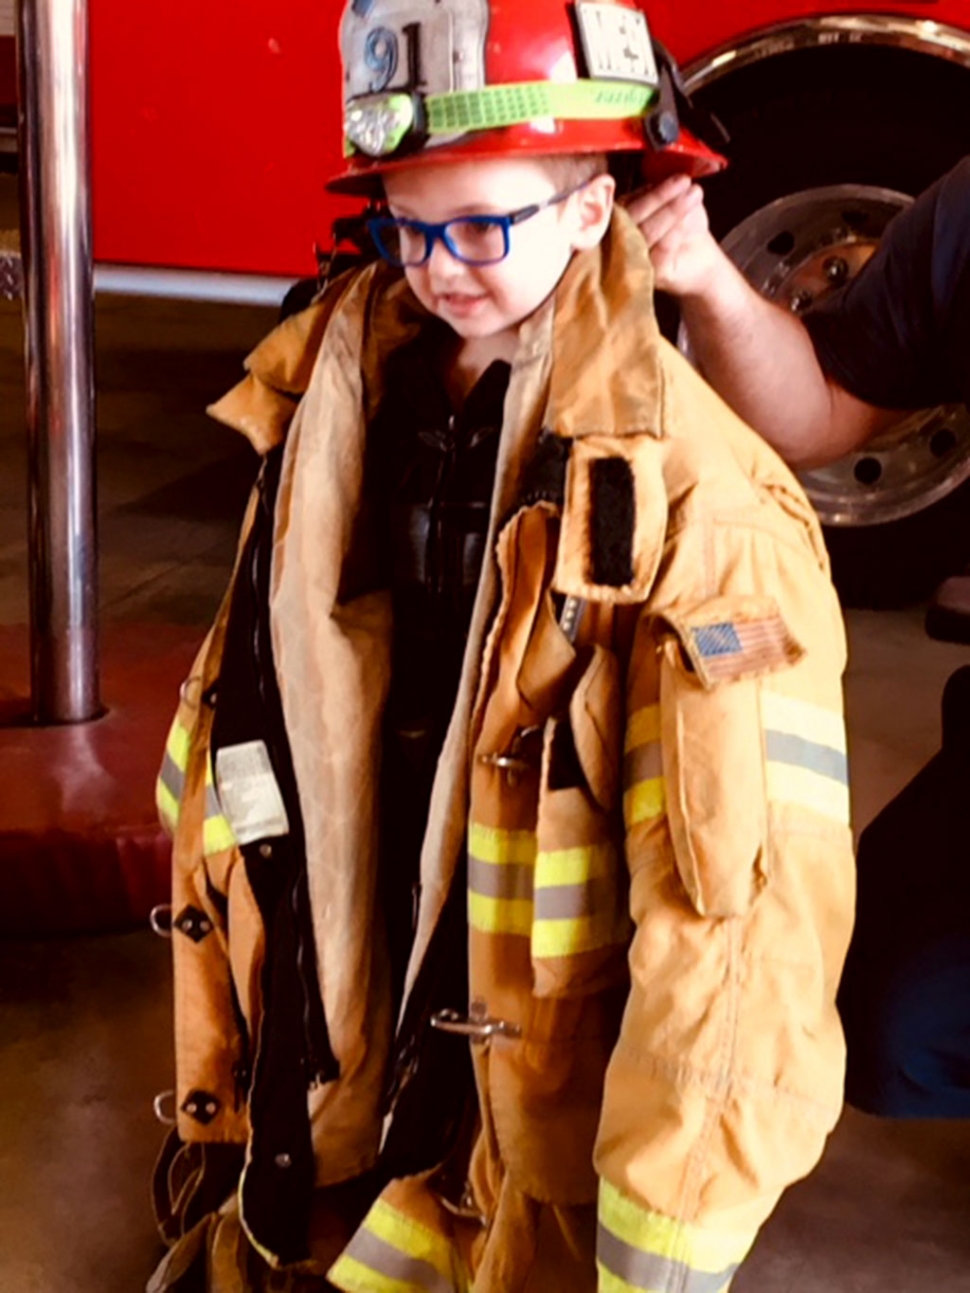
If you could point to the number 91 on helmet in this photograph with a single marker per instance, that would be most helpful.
(428, 82)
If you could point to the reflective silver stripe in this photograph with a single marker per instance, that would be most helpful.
(649, 1271)
(567, 901)
(386, 1259)
(212, 806)
(499, 879)
(642, 763)
(826, 760)
(172, 777)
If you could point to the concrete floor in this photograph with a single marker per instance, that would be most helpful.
(85, 1023)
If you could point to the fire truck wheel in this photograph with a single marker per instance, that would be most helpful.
(826, 146)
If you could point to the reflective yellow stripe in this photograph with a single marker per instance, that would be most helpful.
(171, 777)
(800, 786)
(813, 722)
(501, 864)
(499, 915)
(576, 901)
(177, 745)
(217, 834)
(552, 938)
(643, 726)
(644, 797)
(644, 801)
(355, 1277)
(392, 1253)
(806, 753)
(495, 845)
(573, 867)
(639, 1251)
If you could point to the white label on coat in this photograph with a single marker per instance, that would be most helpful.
(616, 43)
(249, 793)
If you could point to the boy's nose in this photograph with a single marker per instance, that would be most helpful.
(441, 263)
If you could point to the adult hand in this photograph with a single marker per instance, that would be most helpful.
(673, 221)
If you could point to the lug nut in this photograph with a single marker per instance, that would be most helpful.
(836, 270)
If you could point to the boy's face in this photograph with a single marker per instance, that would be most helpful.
(487, 300)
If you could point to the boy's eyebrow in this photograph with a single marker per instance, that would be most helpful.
(473, 208)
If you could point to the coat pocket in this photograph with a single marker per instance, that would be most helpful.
(713, 746)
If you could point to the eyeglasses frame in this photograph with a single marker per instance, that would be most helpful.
(433, 233)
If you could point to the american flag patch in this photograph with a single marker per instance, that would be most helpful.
(738, 648)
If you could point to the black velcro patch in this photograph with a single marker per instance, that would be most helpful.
(545, 476)
(611, 521)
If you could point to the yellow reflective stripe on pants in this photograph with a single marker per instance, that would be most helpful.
(501, 866)
(638, 1251)
(806, 753)
(644, 797)
(171, 776)
(392, 1253)
(576, 901)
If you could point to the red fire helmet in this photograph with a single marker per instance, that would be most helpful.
(433, 81)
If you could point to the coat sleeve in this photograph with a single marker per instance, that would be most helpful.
(728, 1072)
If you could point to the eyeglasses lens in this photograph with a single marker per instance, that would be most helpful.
(477, 241)
(472, 240)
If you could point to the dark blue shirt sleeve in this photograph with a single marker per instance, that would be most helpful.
(898, 335)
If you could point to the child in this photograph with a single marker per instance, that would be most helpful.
(512, 861)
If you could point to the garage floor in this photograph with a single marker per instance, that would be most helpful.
(85, 1023)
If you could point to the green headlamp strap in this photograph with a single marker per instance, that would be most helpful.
(378, 124)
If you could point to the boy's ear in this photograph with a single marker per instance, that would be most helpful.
(594, 206)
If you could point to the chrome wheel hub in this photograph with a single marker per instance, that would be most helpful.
(798, 250)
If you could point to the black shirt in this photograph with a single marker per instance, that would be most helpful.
(431, 472)
(898, 336)
(428, 478)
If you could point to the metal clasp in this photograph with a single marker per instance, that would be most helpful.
(518, 758)
(160, 919)
(465, 1209)
(478, 1026)
(159, 1104)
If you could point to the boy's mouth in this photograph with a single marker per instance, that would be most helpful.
(461, 303)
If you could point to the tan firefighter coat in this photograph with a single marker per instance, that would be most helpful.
(646, 768)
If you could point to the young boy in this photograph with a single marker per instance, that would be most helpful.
(512, 862)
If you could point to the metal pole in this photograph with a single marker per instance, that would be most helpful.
(55, 201)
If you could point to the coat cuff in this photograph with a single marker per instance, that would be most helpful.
(640, 1251)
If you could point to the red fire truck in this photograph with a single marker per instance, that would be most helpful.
(215, 125)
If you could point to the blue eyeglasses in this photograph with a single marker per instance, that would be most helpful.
(472, 239)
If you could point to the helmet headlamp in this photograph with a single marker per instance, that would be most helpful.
(379, 124)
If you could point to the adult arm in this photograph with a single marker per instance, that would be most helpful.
(759, 357)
